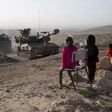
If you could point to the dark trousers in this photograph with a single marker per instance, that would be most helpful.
(91, 70)
(60, 78)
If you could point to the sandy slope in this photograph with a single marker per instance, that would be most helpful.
(32, 86)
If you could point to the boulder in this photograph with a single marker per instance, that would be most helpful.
(80, 79)
(104, 63)
(108, 74)
(104, 84)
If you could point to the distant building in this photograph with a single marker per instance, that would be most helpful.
(85, 42)
(81, 44)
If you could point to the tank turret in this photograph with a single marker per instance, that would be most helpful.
(30, 46)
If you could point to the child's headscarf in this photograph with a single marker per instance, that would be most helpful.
(91, 39)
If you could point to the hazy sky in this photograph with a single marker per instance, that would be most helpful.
(55, 13)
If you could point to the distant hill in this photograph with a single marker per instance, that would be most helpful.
(103, 35)
(101, 29)
(10, 32)
(13, 32)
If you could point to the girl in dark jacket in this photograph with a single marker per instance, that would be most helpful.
(92, 57)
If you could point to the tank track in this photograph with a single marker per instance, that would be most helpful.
(25, 54)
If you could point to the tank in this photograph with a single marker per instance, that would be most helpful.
(30, 46)
(5, 43)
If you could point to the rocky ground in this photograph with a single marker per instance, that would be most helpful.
(32, 86)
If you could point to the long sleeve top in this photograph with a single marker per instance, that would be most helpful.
(92, 53)
(109, 53)
(67, 57)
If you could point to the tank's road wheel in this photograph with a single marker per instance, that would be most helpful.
(18, 53)
(28, 56)
(55, 52)
(31, 55)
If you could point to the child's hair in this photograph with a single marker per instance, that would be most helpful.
(69, 41)
(110, 45)
(91, 39)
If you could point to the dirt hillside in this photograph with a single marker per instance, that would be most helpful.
(32, 86)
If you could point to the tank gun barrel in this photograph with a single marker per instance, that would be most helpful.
(47, 34)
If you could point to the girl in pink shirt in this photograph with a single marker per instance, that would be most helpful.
(67, 59)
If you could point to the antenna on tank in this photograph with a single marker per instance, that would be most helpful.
(39, 22)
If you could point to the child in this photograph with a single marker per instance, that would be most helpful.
(109, 52)
(67, 59)
(92, 57)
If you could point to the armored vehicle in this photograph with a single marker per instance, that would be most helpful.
(5, 43)
(31, 46)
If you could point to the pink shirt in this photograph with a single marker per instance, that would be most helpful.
(67, 57)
